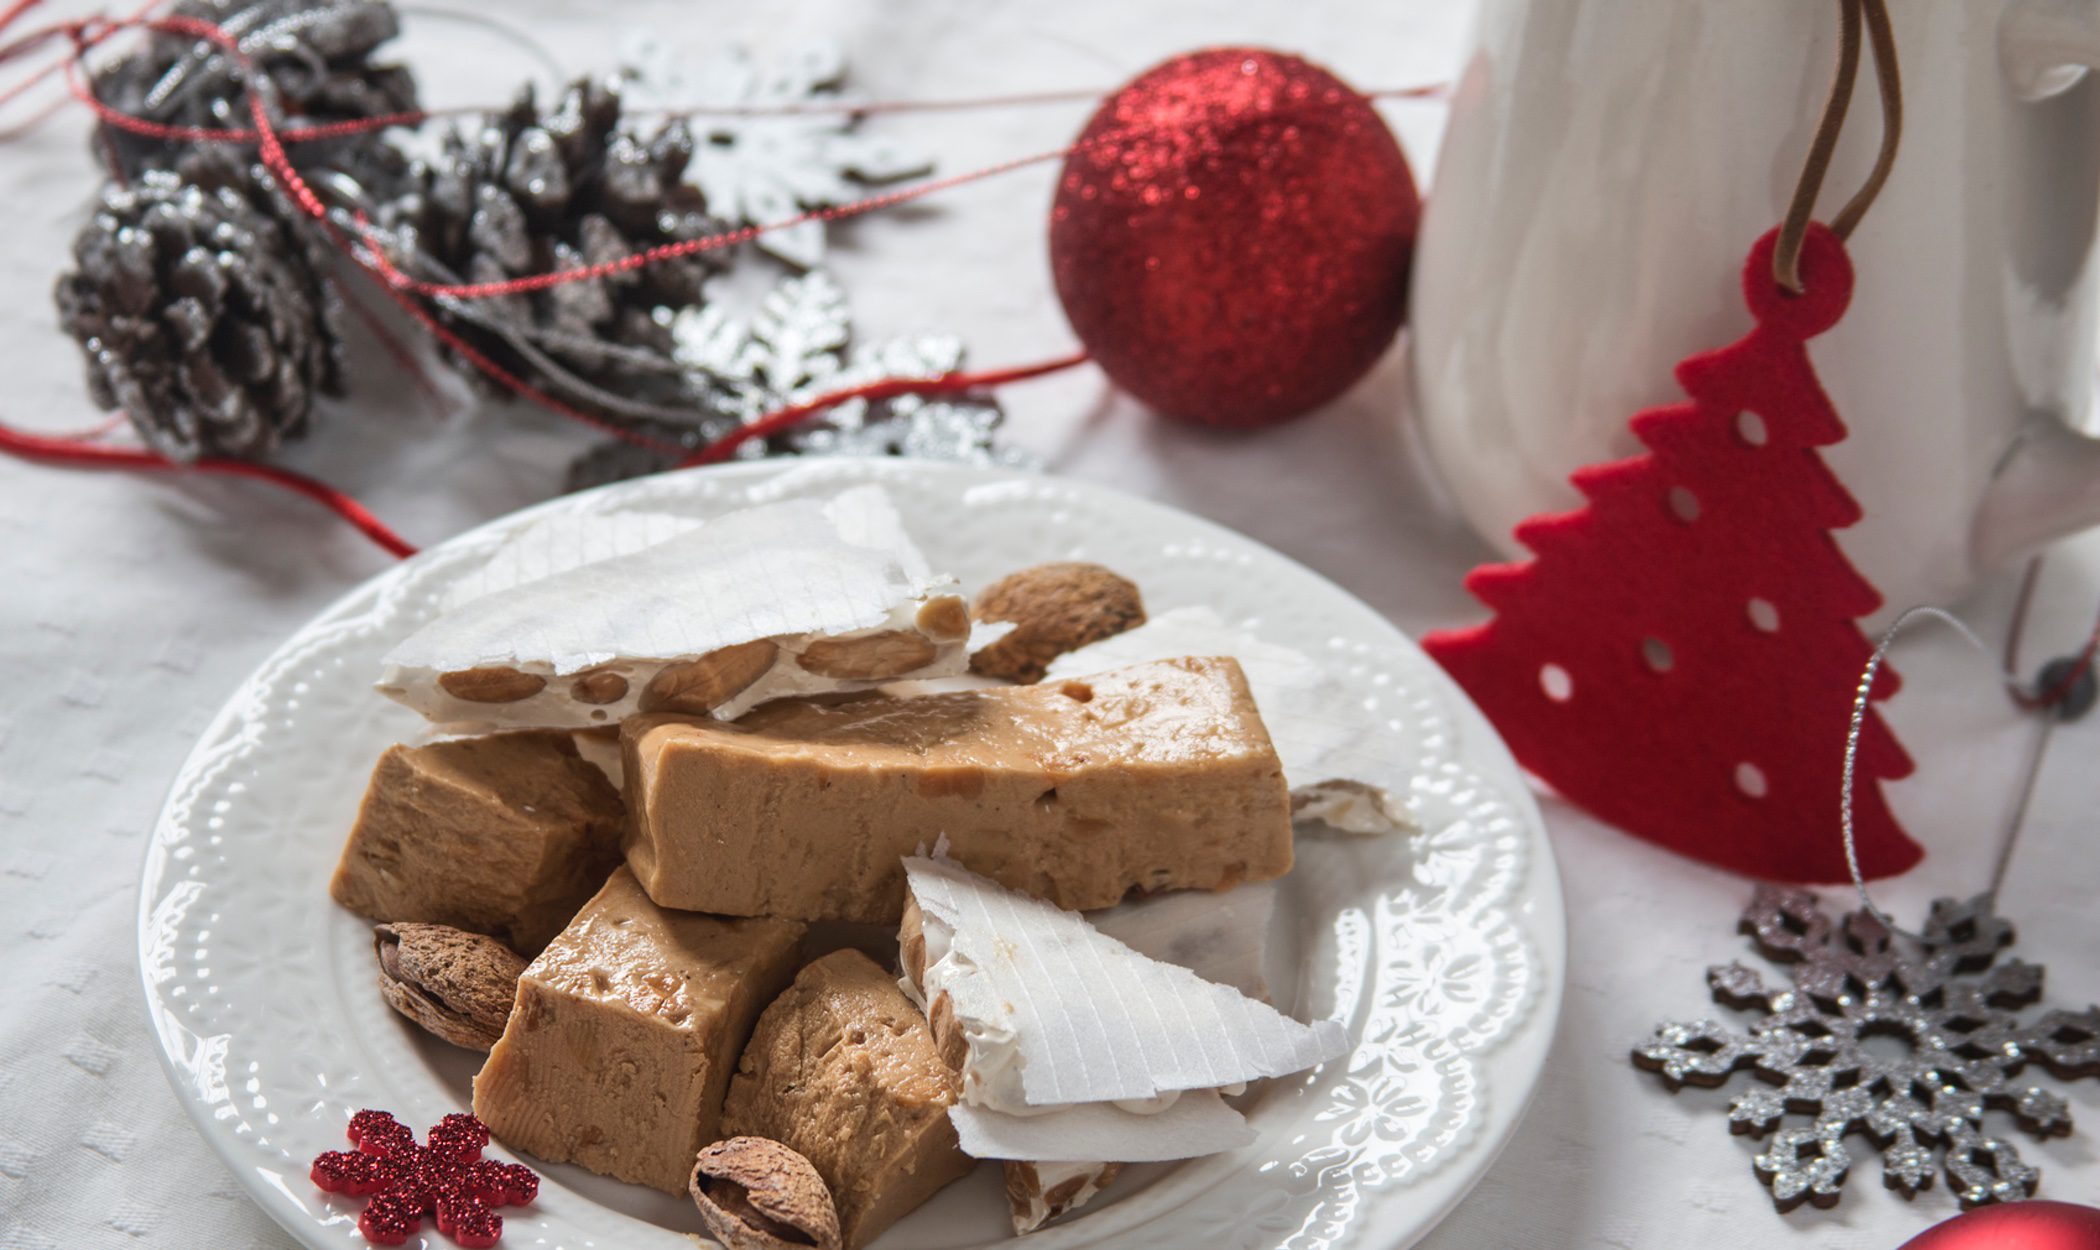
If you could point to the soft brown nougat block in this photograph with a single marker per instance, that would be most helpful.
(842, 1069)
(625, 1032)
(1159, 776)
(506, 835)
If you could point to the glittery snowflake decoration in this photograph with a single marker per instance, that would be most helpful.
(794, 348)
(758, 160)
(446, 1178)
(1953, 1011)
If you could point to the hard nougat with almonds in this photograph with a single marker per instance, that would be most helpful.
(626, 1029)
(1155, 777)
(842, 1069)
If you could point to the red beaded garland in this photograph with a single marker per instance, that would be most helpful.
(446, 1178)
(1231, 236)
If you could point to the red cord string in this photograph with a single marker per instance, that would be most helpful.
(707, 243)
(16, 10)
(497, 373)
(731, 238)
(81, 451)
(214, 134)
(371, 258)
(271, 151)
(399, 288)
(76, 453)
(265, 135)
(888, 388)
(94, 433)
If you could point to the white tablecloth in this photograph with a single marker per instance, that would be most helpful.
(130, 608)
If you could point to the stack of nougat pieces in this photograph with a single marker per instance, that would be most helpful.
(836, 914)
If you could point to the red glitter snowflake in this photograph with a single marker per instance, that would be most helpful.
(447, 1178)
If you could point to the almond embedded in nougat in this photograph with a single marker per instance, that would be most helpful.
(499, 684)
(700, 686)
(842, 1070)
(505, 835)
(868, 657)
(625, 1032)
(1160, 776)
(599, 685)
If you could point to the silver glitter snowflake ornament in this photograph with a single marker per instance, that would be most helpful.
(757, 158)
(795, 349)
(797, 345)
(1952, 1009)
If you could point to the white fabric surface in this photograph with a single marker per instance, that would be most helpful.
(131, 608)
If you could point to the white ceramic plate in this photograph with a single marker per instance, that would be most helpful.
(1444, 953)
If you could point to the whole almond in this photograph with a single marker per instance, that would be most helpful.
(1054, 608)
(457, 985)
(756, 1194)
(494, 684)
(698, 687)
(870, 657)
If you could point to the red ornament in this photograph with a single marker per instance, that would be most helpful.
(447, 1178)
(1231, 236)
(2015, 1226)
(1682, 655)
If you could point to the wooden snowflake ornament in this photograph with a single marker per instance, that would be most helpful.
(1953, 1009)
(1680, 657)
(446, 1178)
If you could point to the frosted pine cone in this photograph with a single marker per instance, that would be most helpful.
(316, 53)
(534, 190)
(205, 314)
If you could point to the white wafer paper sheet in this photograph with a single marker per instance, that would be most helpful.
(1091, 1019)
(580, 593)
(781, 568)
(562, 542)
(1221, 937)
(1336, 755)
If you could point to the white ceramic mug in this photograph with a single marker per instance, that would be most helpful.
(1607, 167)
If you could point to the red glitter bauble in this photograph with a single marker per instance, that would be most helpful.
(1231, 236)
(2015, 1226)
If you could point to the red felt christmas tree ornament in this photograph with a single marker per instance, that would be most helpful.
(1231, 236)
(1683, 654)
(1681, 657)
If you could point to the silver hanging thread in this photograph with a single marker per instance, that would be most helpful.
(2069, 686)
